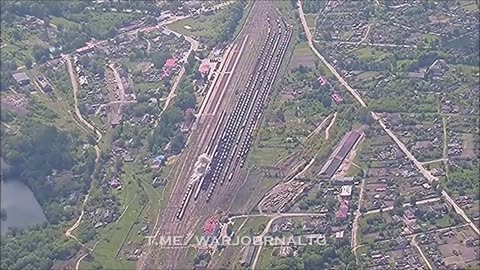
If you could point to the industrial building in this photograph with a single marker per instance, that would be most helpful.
(337, 157)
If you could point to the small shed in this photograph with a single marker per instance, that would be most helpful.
(159, 160)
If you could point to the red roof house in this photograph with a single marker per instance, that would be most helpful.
(322, 80)
(337, 98)
(204, 69)
(169, 66)
(342, 212)
(210, 226)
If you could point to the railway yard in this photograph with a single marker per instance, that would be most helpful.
(210, 169)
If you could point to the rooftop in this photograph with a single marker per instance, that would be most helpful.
(204, 68)
(170, 63)
(20, 77)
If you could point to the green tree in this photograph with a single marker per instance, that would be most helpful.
(40, 53)
(159, 59)
(28, 63)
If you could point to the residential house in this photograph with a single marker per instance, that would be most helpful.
(169, 65)
(337, 97)
(342, 213)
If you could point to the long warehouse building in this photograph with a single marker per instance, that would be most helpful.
(337, 157)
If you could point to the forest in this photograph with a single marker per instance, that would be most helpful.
(38, 248)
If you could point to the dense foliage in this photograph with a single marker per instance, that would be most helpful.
(35, 249)
(236, 14)
(34, 154)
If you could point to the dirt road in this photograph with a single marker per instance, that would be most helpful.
(74, 82)
(327, 130)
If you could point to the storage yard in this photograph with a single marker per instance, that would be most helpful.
(209, 170)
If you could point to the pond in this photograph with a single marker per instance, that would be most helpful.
(20, 205)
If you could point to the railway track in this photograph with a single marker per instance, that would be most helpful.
(179, 217)
(231, 150)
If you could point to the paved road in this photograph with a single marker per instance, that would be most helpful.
(74, 81)
(319, 127)
(118, 79)
(434, 161)
(402, 146)
(385, 209)
(68, 233)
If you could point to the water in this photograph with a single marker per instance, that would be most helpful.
(21, 206)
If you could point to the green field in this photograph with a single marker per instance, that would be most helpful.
(246, 13)
(311, 20)
(470, 6)
(285, 8)
(114, 235)
(302, 49)
(19, 49)
(369, 53)
(266, 156)
(59, 21)
(207, 27)
(254, 225)
(429, 38)
(264, 258)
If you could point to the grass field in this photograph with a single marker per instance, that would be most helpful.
(266, 156)
(265, 258)
(19, 49)
(311, 21)
(207, 27)
(285, 8)
(430, 38)
(302, 49)
(253, 225)
(59, 21)
(149, 215)
(246, 13)
(470, 6)
(369, 53)
(362, 250)
(145, 87)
